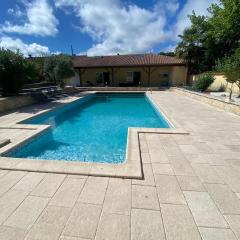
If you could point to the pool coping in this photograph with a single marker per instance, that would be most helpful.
(130, 168)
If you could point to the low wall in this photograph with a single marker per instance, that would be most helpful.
(227, 106)
(11, 103)
(121, 88)
(219, 82)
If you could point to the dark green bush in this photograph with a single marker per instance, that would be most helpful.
(14, 72)
(202, 82)
(57, 68)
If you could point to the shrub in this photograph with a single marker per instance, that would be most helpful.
(57, 68)
(230, 66)
(203, 81)
(14, 71)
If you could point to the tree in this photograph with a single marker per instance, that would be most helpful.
(170, 54)
(192, 46)
(57, 68)
(230, 66)
(15, 70)
(211, 37)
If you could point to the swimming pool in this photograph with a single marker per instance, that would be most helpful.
(92, 129)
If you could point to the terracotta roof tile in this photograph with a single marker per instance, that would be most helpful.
(126, 60)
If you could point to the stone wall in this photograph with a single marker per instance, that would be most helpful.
(227, 106)
(12, 103)
(219, 82)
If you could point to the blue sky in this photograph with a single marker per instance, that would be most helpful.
(95, 27)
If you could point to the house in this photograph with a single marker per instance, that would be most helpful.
(147, 70)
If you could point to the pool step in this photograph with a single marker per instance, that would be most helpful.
(4, 142)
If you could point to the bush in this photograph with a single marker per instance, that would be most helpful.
(14, 72)
(57, 68)
(202, 82)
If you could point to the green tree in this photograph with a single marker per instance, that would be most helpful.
(15, 70)
(170, 54)
(230, 66)
(211, 37)
(191, 46)
(57, 68)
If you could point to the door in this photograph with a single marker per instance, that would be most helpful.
(136, 78)
(106, 78)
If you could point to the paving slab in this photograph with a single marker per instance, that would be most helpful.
(71, 238)
(234, 223)
(147, 175)
(3, 172)
(207, 173)
(83, 221)
(190, 183)
(230, 176)
(225, 199)
(49, 185)
(181, 166)
(165, 169)
(68, 192)
(50, 224)
(113, 227)
(179, 223)
(94, 190)
(27, 213)
(144, 197)
(29, 181)
(217, 234)
(158, 156)
(9, 180)
(9, 202)
(204, 210)
(118, 196)
(9, 233)
(169, 190)
(146, 224)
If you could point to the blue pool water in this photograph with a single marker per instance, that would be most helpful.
(93, 129)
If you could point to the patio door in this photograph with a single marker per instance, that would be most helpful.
(106, 78)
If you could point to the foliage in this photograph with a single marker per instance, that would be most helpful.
(57, 68)
(230, 66)
(170, 54)
(211, 37)
(14, 71)
(202, 82)
(39, 63)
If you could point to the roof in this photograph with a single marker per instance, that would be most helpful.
(126, 61)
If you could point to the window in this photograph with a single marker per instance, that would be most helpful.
(103, 78)
(129, 77)
(133, 77)
(99, 77)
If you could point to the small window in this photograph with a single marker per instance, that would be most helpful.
(99, 77)
(164, 75)
(129, 77)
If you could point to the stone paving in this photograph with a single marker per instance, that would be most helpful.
(191, 188)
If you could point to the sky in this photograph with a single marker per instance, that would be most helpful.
(95, 27)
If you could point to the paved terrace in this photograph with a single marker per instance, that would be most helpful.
(191, 189)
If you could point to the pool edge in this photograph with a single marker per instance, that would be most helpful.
(130, 168)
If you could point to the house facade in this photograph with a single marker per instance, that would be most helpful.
(146, 70)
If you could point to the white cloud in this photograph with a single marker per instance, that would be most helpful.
(33, 49)
(117, 28)
(200, 8)
(40, 20)
(15, 12)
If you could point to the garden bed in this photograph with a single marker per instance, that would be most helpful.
(216, 101)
